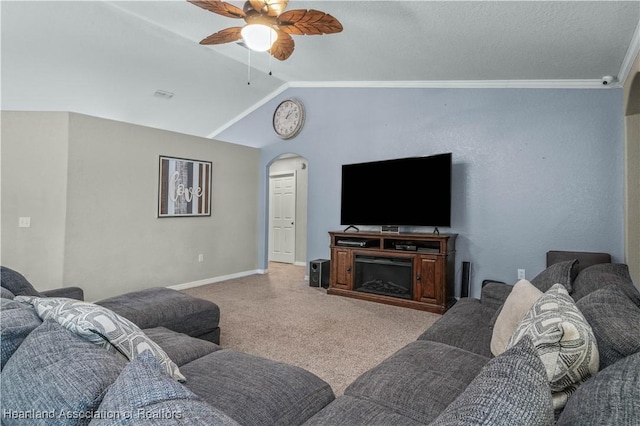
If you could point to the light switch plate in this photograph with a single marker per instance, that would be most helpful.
(24, 222)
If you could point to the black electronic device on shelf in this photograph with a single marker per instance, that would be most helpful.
(357, 242)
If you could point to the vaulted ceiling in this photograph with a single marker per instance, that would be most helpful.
(108, 58)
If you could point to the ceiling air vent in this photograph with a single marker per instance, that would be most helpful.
(163, 94)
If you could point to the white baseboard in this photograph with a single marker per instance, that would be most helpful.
(299, 263)
(216, 279)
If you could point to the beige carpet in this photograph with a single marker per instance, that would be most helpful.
(278, 316)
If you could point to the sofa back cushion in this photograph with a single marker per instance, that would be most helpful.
(597, 276)
(615, 321)
(16, 283)
(145, 394)
(16, 322)
(512, 389)
(559, 273)
(608, 399)
(6, 293)
(54, 372)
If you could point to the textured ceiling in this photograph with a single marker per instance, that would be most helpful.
(108, 58)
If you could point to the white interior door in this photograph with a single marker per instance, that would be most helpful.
(282, 215)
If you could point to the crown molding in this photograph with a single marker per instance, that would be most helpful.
(434, 84)
(460, 84)
(249, 110)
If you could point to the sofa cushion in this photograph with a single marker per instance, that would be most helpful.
(465, 325)
(562, 272)
(608, 399)
(257, 391)
(564, 342)
(181, 348)
(101, 326)
(16, 283)
(615, 321)
(511, 389)
(145, 394)
(16, 322)
(348, 410)
(601, 275)
(518, 303)
(56, 371)
(420, 380)
(165, 307)
(6, 294)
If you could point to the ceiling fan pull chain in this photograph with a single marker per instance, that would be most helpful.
(249, 67)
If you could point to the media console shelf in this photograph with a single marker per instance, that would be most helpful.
(413, 270)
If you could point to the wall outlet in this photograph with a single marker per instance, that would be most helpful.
(24, 222)
(521, 274)
(200, 258)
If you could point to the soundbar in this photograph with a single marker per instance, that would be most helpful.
(357, 243)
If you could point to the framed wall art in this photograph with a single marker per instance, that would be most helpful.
(184, 187)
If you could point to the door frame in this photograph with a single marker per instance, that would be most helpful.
(275, 175)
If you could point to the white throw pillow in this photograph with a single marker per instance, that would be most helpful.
(101, 326)
(515, 307)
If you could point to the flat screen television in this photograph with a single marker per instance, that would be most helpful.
(413, 191)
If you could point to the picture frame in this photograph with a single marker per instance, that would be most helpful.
(184, 187)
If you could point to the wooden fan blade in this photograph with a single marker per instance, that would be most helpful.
(269, 7)
(219, 7)
(308, 22)
(283, 47)
(225, 36)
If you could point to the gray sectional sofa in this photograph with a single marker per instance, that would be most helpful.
(448, 376)
(51, 375)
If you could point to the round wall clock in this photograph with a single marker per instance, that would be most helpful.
(288, 118)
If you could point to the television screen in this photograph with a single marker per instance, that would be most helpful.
(406, 191)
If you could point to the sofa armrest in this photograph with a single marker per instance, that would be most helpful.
(494, 293)
(68, 292)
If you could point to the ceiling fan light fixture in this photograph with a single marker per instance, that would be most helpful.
(259, 37)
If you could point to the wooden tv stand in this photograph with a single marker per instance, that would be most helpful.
(429, 257)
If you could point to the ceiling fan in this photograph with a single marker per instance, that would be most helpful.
(268, 27)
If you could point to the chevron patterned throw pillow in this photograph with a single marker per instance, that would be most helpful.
(101, 326)
(563, 340)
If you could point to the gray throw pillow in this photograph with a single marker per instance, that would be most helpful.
(16, 322)
(615, 321)
(56, 373)
(145, 394)
(601, 275)
(512, 389)
(16, 283)
(608, 399)
(559, 273)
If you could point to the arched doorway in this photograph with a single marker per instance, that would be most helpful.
(286, 226)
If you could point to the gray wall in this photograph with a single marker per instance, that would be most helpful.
(112, 240)
(34, 184)
(534, 169)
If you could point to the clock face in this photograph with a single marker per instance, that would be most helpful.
(288, 118)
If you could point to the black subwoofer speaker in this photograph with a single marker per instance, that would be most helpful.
(319, 273)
